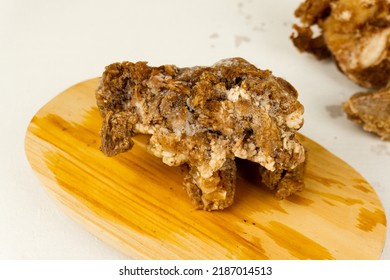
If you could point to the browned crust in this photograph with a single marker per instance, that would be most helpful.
(348, 32)
(202, 118)
(371, 110)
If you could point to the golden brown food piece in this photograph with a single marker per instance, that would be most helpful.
(285, 183)
(201, 118)
(355, 32)
(371, 110)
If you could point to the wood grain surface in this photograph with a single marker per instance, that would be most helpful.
(138, 205)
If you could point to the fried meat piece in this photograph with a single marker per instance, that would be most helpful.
(201, 118)
(371, 110)
(285, 183)
(355, 32)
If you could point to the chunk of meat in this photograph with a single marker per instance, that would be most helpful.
(201, 118)
(355, 32)
(371, 110)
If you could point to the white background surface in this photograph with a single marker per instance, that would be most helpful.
(47, 46)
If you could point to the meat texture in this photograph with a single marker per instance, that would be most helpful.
(371, 110)
(201, 118)
(356, 33)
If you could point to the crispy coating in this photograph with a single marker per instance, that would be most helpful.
(217, 191)
(355, 32)
(371, 110)
(201, 118)
(285, 182)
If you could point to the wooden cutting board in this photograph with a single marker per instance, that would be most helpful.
(138, 205)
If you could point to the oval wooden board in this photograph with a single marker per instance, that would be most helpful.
(138, 205)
